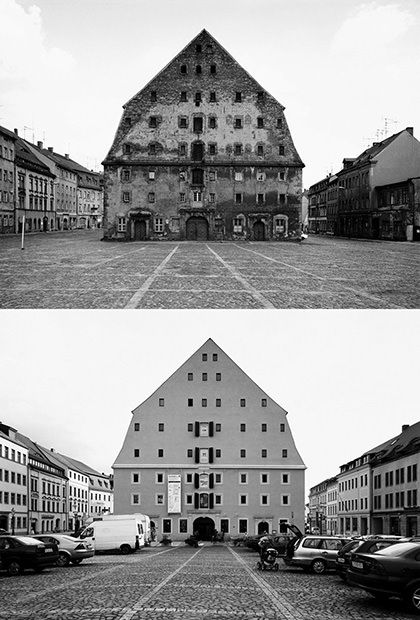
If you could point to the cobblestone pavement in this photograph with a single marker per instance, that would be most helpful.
(77, 270)
(181, 583)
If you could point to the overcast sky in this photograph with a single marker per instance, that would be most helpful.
(339, 67)
(349, 380)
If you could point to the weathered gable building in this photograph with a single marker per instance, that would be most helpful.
(202, 152)
(209, 449)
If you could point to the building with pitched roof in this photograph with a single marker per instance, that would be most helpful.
(375, 195)
(7, 181)
(203, 151)
(13, 482)
(210, 450)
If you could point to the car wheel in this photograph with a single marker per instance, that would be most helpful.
(63, 559)
(413, 598)
(318, 567)
(125, 549)
(76, 562)
(14, 568)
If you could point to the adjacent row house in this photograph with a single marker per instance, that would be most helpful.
(202, 152)
(376, 493)
(42, 490)
(44, 189)
(374, 196)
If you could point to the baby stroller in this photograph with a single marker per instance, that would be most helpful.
(268, 560)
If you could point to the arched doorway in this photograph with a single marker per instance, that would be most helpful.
(205, 527)
(140, 230)
(263, 527)
(197, 229)
(259, 231)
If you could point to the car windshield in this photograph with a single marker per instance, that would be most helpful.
(398, 549)
(26, 540)
(351, 546)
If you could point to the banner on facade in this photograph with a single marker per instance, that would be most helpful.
(174, 493)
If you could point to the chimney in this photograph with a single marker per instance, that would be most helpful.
(66, 155)
(410, 130)
(16, 131)
(405, 427)
(50, 148)
(39, 144)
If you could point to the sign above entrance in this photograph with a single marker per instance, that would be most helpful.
(174, 493)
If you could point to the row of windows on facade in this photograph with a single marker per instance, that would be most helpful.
(12, 477)
(400, 476)
(47, 505)
(207, 455)
(403, 499)
(78, 492)
(198, 149)
(198, 175)
(12, 454)
(209, 480)
(98, 497)
(6, 153)
(197, 97)
(49, 488)
(198, 122)
(352, 483)
(353, 504)
(204, 500)
(15, 499)
(242, 525)
(198, 196)
(190, 401)
(207, 429)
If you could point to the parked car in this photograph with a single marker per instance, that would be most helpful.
(2, 531)
(20, 552)
(70, 549)
(390, 572)
(315, 553)
(364, 544)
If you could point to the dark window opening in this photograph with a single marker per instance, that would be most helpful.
(238, 149)
(212, 149)
(183, 95)
(153, 121)
(213, 69)
(198, 48)
(238, 96)
(153, 95)
(197, 152)
(260, 96)
(260, 150)
(212, 122)
(184, 69)
(198, 124)
(260, 122)
(279, 123)
(190, 402)
(281, 149)
(238, 123)
(212, 96)
(198, 69)
(197, 176)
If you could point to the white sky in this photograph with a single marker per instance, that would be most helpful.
(348, 379)
(339, 67)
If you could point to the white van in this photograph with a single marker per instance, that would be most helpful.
(127, 535)
(144, 520)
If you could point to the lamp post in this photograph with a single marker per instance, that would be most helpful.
(12, 521)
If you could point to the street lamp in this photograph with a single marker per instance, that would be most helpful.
(12, 521)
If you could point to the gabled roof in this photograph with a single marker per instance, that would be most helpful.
(16, 441)
(371, 153)
(29, 159)
(35, 451)
(74, 464)
(8, 133)
(204, 34)
(408, 439)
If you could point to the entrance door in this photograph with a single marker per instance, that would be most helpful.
(259, 231)
(205, 528)
(263, 527)
(197, 229)
(139, 230)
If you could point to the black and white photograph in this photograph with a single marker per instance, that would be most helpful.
(209, 309)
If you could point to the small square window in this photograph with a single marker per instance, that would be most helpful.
(243, 454)
(136, 452)
(190, 427)
(263, 428)
(281, 149)
(159, 499)
(212, 149)
(243, 500)
(151, 197)
(238, 96)
(183, 69)
(136, 426)
(161, 402)
(159, 478)
(243, 478)
(215, 358)
(281, 176)
(260, 95)
(260, 122)
(198, 48)
(212, 96)
(212, 197)
(136, 478)
(263, 402)
(126, 175)
(264, 478)
(212, 122)
(264, 453)
(242, 427)
(238, 198)
(204, 402)
(190, 402)
(260, 199)
(218, 426)
(182, 150)
(238, 149)
(190, 376)
(260, 150)
(189, 453)
(153, 121)
(285, 478)
(218, 453)
(218, 478)
(153, 95)
(284, 454)
(183, 95)
(126, 149)
(285, 500)
(161, 427)
(188, 499)
(218, 376)
(279, 123)
(182, 122)
(188, 478)
(218, 402)
(182, 197)
(238, 123)
(281, 428)
(160, 453)
(212, 69)
(126, 196)
(243, 402)
(204, 376)
(204, 357)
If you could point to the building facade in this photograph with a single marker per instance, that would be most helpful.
(7, 181)
(210, 450)
(354, 497)
(374, 195)
(202, 152)
(13, 483)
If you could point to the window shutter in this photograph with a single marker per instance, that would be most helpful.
(211, 500)
(211, 480)
(196, 481)
(197, 455)
(196, 500)
(211, 429)
(197, 429)
(211, 455)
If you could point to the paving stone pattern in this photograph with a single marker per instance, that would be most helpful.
(77, 270)
(181, 583)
